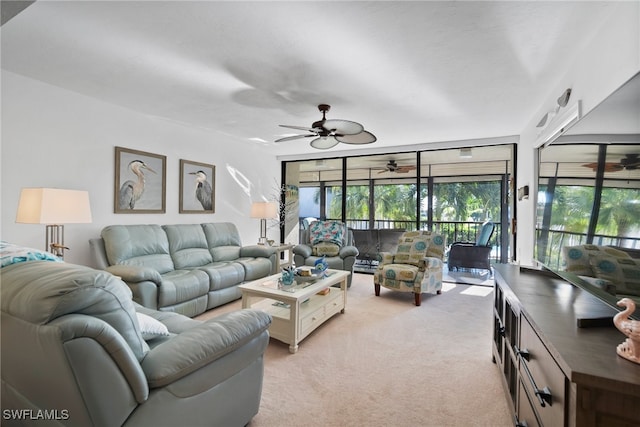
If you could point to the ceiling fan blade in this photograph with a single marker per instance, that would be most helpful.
(307, 128)
(363, 137)
(405, 169)
(608, 167)
(343, 127)
(291, 138)
(324, 142)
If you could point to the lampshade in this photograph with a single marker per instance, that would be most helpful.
(53, 206)
(264, 210)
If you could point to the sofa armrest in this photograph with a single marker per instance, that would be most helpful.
(134, 274)
(347, 251)
(257, 251)
(304, 251)
(202, 345)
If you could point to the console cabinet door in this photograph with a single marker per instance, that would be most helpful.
(543, 379)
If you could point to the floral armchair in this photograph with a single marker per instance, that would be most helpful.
(415, 266)
(329, 239)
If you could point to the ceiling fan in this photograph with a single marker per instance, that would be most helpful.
(328, 133)
(628, 162)
(392, 166)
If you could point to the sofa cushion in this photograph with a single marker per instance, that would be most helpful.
(255, 268)
(138, 245)
(623, 272)
(182, 285)
(221, 234)
(41, 291)
(224, 274)
(327, 231)
(188, 245)
(577, 258)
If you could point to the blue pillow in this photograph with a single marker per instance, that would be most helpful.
(12, 254)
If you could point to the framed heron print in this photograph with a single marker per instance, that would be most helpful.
(140, 182)
(197, 187)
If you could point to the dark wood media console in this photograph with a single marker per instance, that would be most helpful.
(555, 373)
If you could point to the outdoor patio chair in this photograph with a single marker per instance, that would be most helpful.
(468, 255)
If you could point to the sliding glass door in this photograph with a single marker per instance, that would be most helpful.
(435, 190)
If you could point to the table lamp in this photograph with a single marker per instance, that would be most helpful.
(53, 207)
(264, 211)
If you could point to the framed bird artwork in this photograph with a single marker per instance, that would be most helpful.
(140, 182)
(197, 187)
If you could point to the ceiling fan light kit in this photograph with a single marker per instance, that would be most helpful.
(330, 132)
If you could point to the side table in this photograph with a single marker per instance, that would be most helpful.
(281, 260)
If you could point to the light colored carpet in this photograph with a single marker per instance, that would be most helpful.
(386, 362)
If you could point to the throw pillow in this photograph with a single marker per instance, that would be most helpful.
(12, 254)
(151, 328)
(326, 231)
(577, 258)
(326, 249)
(623, 272)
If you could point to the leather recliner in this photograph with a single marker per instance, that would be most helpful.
(73, 353)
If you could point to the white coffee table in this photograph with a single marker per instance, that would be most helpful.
(299, 311)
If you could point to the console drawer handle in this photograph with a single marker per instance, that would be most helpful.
(543, 395)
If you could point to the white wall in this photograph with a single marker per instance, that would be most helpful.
(607, 61)
(56, 138)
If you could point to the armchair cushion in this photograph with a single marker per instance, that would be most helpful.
(327, 231)
(413, 246)
(326, 249)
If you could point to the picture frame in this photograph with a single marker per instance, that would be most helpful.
(197, 187)
(140, 182)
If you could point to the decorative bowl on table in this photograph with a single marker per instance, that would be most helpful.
(307, 275)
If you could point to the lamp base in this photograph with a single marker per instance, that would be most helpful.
(55, 240)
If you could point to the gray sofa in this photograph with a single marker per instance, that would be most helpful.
(371, 242)
(186, 268)
(76, 352)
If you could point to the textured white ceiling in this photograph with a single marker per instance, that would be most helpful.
(410, 72)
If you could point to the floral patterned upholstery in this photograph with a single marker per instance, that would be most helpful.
(416, 265)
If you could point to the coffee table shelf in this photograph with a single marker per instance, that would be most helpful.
(296, 314)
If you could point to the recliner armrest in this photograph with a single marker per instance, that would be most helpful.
(202, 345)
(134, 274)
(346, 251)
(385, 258)
(257, 251)
(303, 250)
